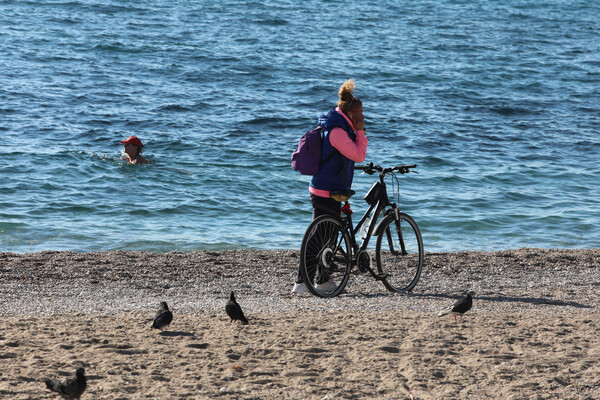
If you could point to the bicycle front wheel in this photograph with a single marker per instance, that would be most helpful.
(399, 253)
(326, 257)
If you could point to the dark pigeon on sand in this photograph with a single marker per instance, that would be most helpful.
(460, 307)
(234, 310)
(69, 388)
(163, 316)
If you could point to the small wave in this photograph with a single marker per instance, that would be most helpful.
(265, 121)
(66, 20)
(432, 161)
(510, 111)
(116, 8)
(141, 213)
(9, 227)
(239, 71)
(173, 107)
(526, 198)
(182, 108)
(271, 22)
(118, 47)
(55, 207)
(96, 121)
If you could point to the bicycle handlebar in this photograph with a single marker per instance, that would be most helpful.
(371, 169)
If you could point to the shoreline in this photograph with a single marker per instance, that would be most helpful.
(59, 281)
(532, 332)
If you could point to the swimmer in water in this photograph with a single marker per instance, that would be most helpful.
(133, 149)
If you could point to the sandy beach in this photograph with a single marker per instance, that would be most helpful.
(533, 332)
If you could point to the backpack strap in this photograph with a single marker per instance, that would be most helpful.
(335, 151)
(329, 157)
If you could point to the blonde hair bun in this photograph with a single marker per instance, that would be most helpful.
(347, 90)
(347, 98)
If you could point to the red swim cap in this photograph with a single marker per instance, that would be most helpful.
(133, 140)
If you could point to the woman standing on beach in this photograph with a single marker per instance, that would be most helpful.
(344, 133)
(133, 149)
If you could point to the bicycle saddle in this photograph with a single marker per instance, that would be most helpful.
(341, 195)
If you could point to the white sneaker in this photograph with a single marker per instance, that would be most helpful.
(300, 288)
(328, 286)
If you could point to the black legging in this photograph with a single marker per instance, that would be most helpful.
(317, 203)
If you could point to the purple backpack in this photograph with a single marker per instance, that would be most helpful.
(307, 158)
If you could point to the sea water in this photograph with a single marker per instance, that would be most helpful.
(497, 102)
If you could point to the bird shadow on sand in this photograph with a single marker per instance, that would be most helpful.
(175, 333)
(500, 298)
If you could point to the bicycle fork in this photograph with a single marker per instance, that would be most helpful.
(399, 231)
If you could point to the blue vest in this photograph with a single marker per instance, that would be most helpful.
(337, 173)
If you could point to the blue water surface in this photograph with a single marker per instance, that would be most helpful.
(497, 102)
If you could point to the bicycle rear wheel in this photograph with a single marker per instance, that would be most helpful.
(399, 253)
(326, 257)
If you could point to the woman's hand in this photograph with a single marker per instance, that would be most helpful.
(358, 119)
(359, 125)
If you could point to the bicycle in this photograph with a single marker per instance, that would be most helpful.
(330, 250)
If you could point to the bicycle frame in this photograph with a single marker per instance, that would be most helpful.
(378, 207)
(374, 210)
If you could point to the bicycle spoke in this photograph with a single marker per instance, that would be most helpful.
(324, 262)
(401, 258)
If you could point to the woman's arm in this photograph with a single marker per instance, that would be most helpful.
(356, 151)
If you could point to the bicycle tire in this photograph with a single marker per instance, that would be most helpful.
(326, 256)
(400, 266)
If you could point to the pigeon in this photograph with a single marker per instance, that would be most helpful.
(69, 388)
(460, 307)
(234, 310)
(163, 316)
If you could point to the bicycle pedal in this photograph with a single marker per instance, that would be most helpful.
(380, 277)
(358, 271)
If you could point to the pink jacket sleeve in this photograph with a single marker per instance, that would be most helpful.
(356, 151)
